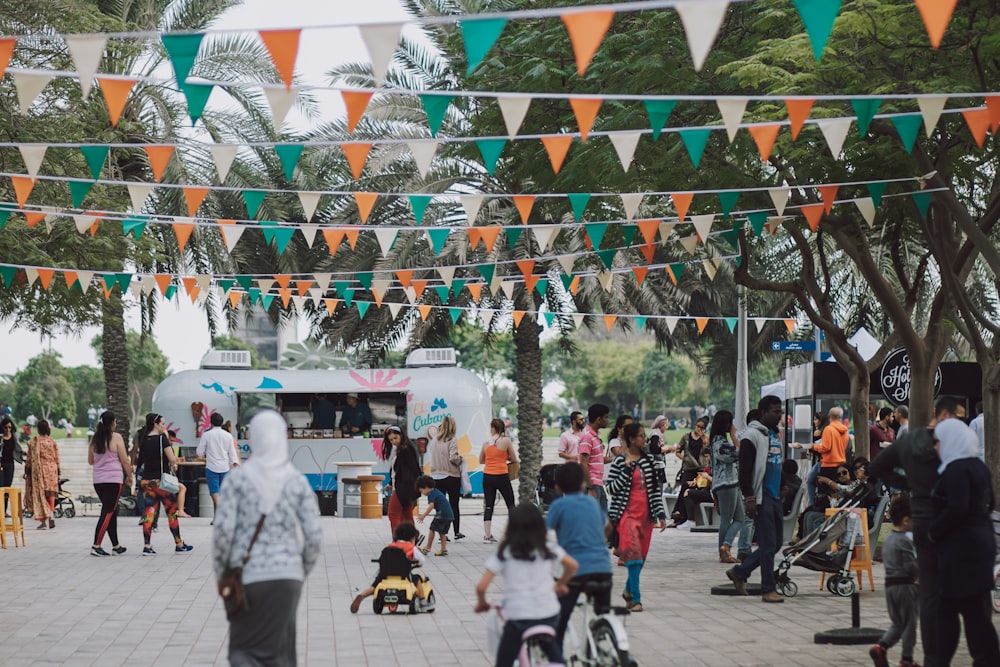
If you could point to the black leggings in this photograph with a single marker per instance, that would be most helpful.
(108, 523)
(492, 484)
(453, 487)
(7, 479)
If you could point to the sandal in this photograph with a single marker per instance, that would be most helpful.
(442, 552)
(627, 597)
(424, 550)
(637, 607)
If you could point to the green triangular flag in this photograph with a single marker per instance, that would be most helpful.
(876, 190)
(677, 269)
(435, 106)
(757, 221)
(437, 238)
(267, 231)
(182, 50)
(865, 110)
(109, 281)
(78, 190)
(347, 294)
(226, 284)
(4, 214)
(659, 111)
(731, 323)
(607, 256)
(628, 231)
(196, 95)
(512, 234)
(123, 280)
(95, 157)
(254, 294)
(170, 292)
(818, 17)
(596, 230)
(282, 236)
(566, 281)
(695, 142)
(289, 156)
(265, 300)
(246, 282)
(419, 205)
(578, 201)
(491, 149)
(8, 272)
(728, 201)
(730, 237)
(365, 278)
(479, 37)
(457, 285)
(550, 317)
(542, 286)
(922, 199)
(640, 323)
(487, 271)
(341, 286)
(455, 314)
(134, 224)
(253, 200)
(907, 127)
(442, 292)
(362, 308)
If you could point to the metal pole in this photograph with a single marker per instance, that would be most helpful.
(742, 399)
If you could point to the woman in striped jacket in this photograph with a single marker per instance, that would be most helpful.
(636, 504)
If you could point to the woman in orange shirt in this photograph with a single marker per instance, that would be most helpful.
(496, 453)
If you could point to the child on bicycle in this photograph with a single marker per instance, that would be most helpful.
(443, 514)
(581, 530)
(524, 559)
(406, 540)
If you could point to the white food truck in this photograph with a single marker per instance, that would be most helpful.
(414, 398)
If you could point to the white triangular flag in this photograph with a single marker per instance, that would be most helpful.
(513, 110)
(423, 154)
(309, 231)
(689, 243)
(761, 322)
(625, 143)
(702, 21)
(381, 40)
(309, 201)
(83, 222)
(135, 289)
(866, 205)
(281, 100)
(86, 51)
(315, 295)
(631, 202)
(544, 234)
(32, 275)
(147, 284)
(605, 278)
(732, 110)
(447, 274)
(773, 223)
(85, 279)
(323, 281)
(231, 234)
(566, 262)
(507, 286)
(29, 85)
(299, 302)
(32, 154)
(495, 285)
(223, 156)
(265, 284)
(666, 229)
(203, 282)
(779, 197)
(411, 294)
(835, 131)
(138, 192)
(931, 108)
(578, 319)
(703, 225)
(394, 309)
(671, 324)
(380, 287)
(471, 204)
(386, 237)
(709, 269)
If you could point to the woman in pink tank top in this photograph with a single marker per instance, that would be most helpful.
(111, 467)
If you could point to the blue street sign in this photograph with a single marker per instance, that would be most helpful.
(793, 345)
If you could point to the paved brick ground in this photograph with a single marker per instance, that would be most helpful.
(62, 606)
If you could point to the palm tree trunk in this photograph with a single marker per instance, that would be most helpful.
(115, 357)
(529, 407)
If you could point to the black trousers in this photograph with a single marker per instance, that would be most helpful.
(980, 635)
(567, 603)
(7, 479)
(928, 575)
(452, 487)
(492, 484)
(108, 523)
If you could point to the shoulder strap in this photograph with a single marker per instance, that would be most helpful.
(256, 532)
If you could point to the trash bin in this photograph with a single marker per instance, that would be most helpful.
(327, 502)
(205, 505)
(371, 496)
(351, 488)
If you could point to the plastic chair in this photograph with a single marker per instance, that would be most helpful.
(790, 522)
(12, 495)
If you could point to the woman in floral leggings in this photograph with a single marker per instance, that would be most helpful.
(156, 455)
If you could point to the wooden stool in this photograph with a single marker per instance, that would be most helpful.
(12, 495)
(861, 559)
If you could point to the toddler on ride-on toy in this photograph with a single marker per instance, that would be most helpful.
(396, 583)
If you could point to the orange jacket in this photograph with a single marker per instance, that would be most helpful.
(833, 445)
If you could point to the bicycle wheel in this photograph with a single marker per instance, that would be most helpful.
(996, 588)
(605, 651)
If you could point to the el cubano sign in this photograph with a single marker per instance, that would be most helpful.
(894, 377)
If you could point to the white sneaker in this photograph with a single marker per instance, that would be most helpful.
(687, 525)
(671, 524)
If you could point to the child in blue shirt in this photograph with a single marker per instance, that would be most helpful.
(443, 515)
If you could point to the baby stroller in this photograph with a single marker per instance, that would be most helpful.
(545, 491)
(64, 506)
(814, 550)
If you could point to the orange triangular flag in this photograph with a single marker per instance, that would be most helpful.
(640, 274)
(23, 186)
(33, 217)
(283, 45)
(978, 121)
(303, 286)
(234, 298)
(45, 277)
(574, 285)
(702, 322)
(518, 316)
(356, 103)
(609, 321)
(557, 146)
(356, 155)
(648, 229)
(670, 274)
(418, 288)
(190, 284)
(586, 31)
(194, 197)
(682, 201)
(585, 109)
(476, 290)
(936, 15)
(490, 235)
(813, 213)
(530, 282)
(404, 277)
(475, 236)
(764, 136)
(70, 277)
(365, 202)
(159, 157)
(283, 279)
(333, 238)
(798, 111)
(377, 297)
(828, 193)
(647, 251)
(7, 45)
(993, 104)
(331, 306)
(352, 237)
(163, 281)
(424, 310)
(115, 94)
(524, 204)
(790, 325)
(182, 230)
(527, 267)
(93, 228)
(286, 296)
(104, 288)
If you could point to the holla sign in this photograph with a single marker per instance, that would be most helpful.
(894, 377)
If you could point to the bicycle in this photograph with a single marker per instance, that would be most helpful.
(533, 640)
(996, 588)
(605, 642)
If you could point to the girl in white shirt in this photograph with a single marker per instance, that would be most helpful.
(525, 560)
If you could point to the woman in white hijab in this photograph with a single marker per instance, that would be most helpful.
(267, 497)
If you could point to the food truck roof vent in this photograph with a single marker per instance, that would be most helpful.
(431, 356)
(226, 359)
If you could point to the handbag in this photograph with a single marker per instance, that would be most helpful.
(18, 453)
(613, 535)
(168, 481)
(514, 470)
(231, 582)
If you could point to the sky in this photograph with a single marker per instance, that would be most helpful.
(180, 329)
